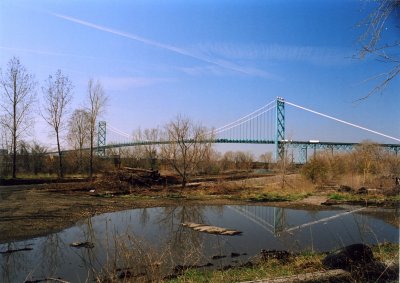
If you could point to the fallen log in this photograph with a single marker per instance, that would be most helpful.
(140, 170)
(211, 229)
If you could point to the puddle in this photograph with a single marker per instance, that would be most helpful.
(155, 235)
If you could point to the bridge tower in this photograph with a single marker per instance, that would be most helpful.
(101, 138)
(280, 129)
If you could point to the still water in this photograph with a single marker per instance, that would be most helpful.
(153, 239)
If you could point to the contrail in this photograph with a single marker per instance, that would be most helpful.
(221, 63)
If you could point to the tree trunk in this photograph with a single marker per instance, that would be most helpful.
(60, 167)
(14, 168)
(80, 160)
(14, 133)
(184, 180)
(91, 155)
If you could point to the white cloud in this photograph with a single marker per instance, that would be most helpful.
(125, 83)
(312, 54)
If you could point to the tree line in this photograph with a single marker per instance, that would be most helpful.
(189, 151)
(19, 102)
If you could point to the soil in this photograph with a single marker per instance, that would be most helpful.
(29, 211)
(35, 210)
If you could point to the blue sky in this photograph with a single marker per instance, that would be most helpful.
(214, 61)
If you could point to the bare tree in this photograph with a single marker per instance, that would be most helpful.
(97, 101)
(186, 148)
(57, 94)
(38, 155)
(243, 160)
(148, 137)
(371, 42)
(18, 97)
(79, 132)
(266, 158)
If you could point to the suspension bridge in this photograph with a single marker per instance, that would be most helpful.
(265, 125)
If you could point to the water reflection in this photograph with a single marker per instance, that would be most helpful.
(150, 242)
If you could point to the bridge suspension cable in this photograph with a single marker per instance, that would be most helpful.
(258, 125)
(119, 132)
(342, 121)
(243, 122)
(244, 117)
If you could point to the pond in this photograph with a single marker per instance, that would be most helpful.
(152, 240)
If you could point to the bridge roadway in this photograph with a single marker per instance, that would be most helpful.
(289, 143)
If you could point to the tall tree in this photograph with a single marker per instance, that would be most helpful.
(187, 147)
(373, 42)
(78, 132)
(18, 97)
(97, 101)
(57, 94)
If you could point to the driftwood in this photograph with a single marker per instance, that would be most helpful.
(211, 229)
(15, 250)
(319, 276)
(50, 279)
(87, 245)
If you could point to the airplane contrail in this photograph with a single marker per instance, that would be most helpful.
(221, 63)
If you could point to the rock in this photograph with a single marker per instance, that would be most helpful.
(125, 274)
(345, 258)
(218, 256)
(345, 189)
(235, 254)
(362, 191)
(282, 256)
(393, 192)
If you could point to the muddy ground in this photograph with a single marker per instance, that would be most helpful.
(29, 211)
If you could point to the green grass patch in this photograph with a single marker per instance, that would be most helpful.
(346, 197)
(394, 198)
(387, 252)
(337, 196)
(299, 264)
(273, 197)
(307, 262)
(174, 196)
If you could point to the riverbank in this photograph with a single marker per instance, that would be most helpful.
(379, 266)
(35, 210)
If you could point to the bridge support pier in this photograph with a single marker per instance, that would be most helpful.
(101, 138)
(280, 129)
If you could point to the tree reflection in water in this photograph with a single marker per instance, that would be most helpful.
(147, 244)
(14, 262)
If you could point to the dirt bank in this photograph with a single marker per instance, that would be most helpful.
(31, 211)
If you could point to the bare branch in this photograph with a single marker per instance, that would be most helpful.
(371, 42)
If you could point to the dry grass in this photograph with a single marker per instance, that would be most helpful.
(357, 181)
(294, 187)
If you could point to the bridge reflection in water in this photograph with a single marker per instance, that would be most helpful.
(272, 220)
